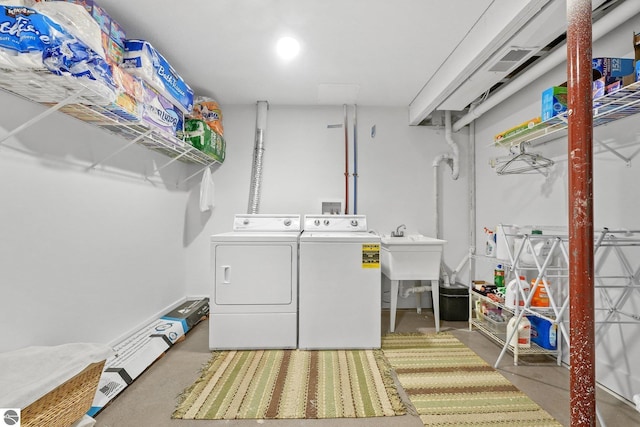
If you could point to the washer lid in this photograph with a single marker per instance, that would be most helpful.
(339, 237)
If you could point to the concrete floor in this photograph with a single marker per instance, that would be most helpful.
(151, 399)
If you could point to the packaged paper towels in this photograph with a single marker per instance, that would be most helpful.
(142, 60)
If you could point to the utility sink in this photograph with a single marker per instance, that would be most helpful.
(411, 257)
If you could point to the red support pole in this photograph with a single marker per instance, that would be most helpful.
(581, 263)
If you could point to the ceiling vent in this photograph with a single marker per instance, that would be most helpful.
(512, 58)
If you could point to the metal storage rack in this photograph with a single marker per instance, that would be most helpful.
(613, 288)
(86, 103)
(547, 269)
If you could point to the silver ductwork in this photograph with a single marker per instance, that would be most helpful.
(258, 154)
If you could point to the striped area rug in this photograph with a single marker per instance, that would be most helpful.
(278, 384)
(450, 385)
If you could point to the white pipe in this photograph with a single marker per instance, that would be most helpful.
(454, 147)
(436, 214)
(414, 289)
(604, 25)
(455, 272)
(472, 185)
(436, 192)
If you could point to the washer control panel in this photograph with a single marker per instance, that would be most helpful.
(263, 222)
(335, 223)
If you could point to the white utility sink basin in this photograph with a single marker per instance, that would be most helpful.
(411, 257)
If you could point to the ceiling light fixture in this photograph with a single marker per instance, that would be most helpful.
(288, 48)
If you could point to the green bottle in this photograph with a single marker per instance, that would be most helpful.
(498, 278)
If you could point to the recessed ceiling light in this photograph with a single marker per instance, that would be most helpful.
(288, 48)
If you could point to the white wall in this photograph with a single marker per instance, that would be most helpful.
(536, 200)
(84, 256)
(87, 256)
(304, 164)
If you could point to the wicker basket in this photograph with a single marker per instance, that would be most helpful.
(67, 403)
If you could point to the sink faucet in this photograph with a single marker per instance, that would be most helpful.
(399, 232)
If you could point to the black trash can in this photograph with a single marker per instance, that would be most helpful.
(454, 302)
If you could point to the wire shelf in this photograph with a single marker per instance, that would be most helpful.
(606, 109)
(93, 105)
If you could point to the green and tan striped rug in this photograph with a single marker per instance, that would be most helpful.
(281, 384)
(450, 385)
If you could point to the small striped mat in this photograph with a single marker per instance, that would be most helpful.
(278, 384)
(450, 385)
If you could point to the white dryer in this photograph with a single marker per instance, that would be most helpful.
(339, 284)
(254, 295)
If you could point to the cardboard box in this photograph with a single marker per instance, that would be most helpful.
(554, 102)
(610, 74)
(189, 313)
(519, 129)
(109, 386)
(612, 67)
(128, 91)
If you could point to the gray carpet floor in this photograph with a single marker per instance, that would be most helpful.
(152, 397)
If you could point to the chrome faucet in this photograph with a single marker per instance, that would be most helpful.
(399, 232)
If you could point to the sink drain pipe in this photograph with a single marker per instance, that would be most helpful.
(452, 159)
(258, 154)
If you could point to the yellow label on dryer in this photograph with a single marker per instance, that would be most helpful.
(371, 255)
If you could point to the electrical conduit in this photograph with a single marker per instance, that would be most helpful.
(355, 159)
(346, 162)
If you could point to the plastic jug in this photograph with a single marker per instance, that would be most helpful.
(504, 241)
(522, 337)
(513, 292)
(539, 249)
(540, 298)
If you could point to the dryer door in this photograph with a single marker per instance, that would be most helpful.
(256, 274)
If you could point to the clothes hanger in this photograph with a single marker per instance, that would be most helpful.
(521, 162)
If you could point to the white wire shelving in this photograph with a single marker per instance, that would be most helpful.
(614, 286)
(89, 104)
(613, 106)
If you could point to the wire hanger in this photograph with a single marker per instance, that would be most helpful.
(521, 162)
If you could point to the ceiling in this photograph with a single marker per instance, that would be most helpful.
(365, 52)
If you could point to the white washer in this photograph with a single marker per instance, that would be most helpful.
(339, 284)
(254, 296)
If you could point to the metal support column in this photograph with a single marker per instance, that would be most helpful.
(581, 258)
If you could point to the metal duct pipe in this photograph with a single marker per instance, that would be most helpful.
(455, 166)
(258, 153)
(604, 25)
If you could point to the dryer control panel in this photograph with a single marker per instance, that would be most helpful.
(335, 223)
(264, 222)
